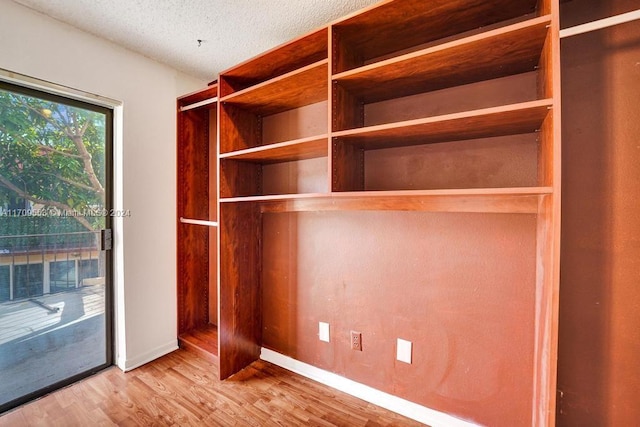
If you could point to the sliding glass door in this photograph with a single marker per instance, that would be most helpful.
(55, 263)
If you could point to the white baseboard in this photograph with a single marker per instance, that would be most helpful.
(393, 403)
(135, 362)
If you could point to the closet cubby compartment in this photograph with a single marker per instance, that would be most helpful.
(239, 178)
(405, 26)
(492, 147)
(284, 153)
(197, 243)
(273, 135)
(279, 61)
(466, 64)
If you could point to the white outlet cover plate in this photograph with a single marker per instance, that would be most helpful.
(323, 331)
(403, 350)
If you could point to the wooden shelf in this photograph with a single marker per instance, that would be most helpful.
(281, 60)
(304, 86)
(202, 341)
(299, 149)
(198, 96)
(273, 197)
(488, 200)
(393, 26)
(512, 119)
(505, 51)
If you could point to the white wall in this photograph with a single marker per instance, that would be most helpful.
(43, 48)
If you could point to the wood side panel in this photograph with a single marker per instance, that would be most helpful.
(240, 327)
(347, 109)
(344, 55)
(347, 167)
(239, 178)
(239, 129)
(213, 216)
(547, 360)
(546, 151)
(599, 357)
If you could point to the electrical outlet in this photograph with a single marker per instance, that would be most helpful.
(403, 351)
(323, 331)
(356, 341)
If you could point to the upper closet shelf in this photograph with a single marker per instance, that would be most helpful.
(393, 26)
(280, 60)
(504, 120)
(505, 51)
(303, 86)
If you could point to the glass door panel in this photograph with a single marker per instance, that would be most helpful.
(55, 289)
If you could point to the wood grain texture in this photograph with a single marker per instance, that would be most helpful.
(281, 60)
(240, 323)
(300, 87)
(198, 96)
(182, 389)
(194, 191)
(202, 341)
(600, 251)
(397, 25)
(347, 167)
(238, 178)
(505, 51)
(304, 148)
(193, 277)
(513, 119)
(347, 110)
(193, 164)
(239, 129)
(495, 200)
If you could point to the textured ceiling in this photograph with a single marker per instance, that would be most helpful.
(167, 30)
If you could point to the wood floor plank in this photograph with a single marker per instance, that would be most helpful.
(182, 389)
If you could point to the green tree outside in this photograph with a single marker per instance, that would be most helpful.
(53, 155)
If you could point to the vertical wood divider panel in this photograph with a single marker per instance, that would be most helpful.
(240, 327)
(332, 46)
(213, 216)
(548, 234)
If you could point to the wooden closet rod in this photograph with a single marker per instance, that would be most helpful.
(198, 222)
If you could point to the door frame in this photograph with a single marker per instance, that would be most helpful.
(112, 110)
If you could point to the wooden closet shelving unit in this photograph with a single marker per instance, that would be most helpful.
(354, 77)
(197, 205)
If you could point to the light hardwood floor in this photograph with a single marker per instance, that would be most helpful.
(181, 389)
